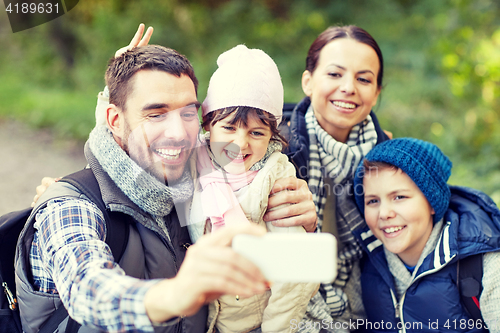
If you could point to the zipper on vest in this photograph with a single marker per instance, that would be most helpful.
(401, 302)
(10, 297)
(170, 248)
(398, 310)
(168, 242)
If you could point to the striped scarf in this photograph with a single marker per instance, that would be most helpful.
(338, 161)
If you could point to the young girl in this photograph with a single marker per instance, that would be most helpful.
(419, 230)
(237, 169)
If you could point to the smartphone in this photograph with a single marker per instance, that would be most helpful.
(291, 257)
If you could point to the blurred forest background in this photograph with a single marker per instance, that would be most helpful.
(442, 60)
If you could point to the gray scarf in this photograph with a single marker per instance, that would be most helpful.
(402, 277)
(146, 191)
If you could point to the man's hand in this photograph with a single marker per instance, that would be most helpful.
(137, 41)
(211, 269)
(301, 210)
(46, 182)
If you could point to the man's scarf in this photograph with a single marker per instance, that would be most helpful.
(145, 190)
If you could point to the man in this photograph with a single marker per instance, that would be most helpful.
(139, 160)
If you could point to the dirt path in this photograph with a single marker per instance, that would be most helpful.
(26, 156)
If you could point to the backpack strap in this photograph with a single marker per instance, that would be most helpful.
(51, 325)
(117, 234)
(470, 276)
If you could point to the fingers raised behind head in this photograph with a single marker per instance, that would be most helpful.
(147, 36)
(137, 37)
(136, 40)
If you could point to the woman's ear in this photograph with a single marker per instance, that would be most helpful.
(306, 83)
(379, 89)
(115, 121)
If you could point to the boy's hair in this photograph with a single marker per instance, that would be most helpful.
(375, 165)
(423, 162)
(153, 57)
(242, 113)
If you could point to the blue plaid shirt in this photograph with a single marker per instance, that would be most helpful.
(69, 257)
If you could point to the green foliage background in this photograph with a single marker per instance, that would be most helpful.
(442, 60)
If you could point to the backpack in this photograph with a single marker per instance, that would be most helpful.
(11, 225)
(470, 276)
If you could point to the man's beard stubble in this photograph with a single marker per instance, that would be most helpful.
(157, 169)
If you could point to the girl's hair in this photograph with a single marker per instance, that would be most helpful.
(241, 116)
(336, 32)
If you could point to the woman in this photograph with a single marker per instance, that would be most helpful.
(331, 130)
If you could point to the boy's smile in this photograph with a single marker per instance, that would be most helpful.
(397, 213)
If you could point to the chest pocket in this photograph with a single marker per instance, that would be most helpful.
(439, 290)
(147, 256)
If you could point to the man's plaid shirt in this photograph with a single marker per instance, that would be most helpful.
(69, 257)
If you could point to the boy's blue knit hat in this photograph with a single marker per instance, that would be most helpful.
(422, 161)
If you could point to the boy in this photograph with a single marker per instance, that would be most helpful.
(410, 283)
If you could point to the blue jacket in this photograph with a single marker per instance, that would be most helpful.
(472, 227)
(298, 139)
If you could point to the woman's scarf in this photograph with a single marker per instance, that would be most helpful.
(338, 160)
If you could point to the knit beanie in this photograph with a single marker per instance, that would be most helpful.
(245, 77)
(422, 161)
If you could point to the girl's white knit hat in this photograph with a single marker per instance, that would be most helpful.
(245, 77)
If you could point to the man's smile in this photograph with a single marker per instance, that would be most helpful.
(169, 154)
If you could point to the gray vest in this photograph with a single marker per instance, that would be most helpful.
(147, 256)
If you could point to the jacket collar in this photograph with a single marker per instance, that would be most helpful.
(298, 148)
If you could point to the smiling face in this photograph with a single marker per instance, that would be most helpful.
(160, 125)
(237, 147)
(343, 87)
(397, 213)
